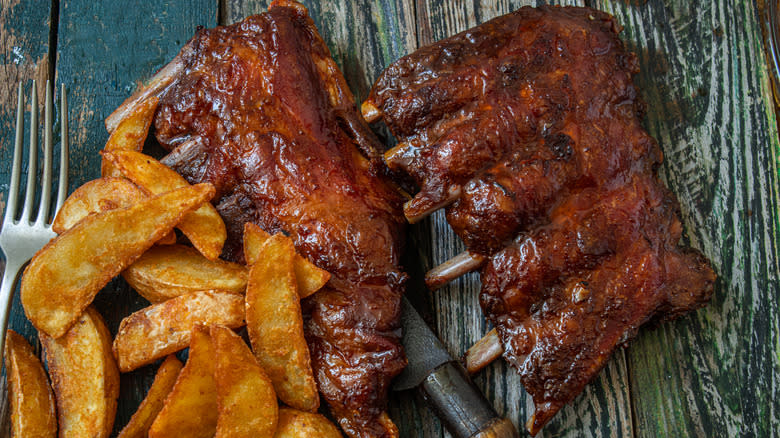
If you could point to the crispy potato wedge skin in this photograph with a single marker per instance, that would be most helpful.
(275, 325)
(165, 272)
(204, 226)
(161, 329)
(141, 421)
(310, 278)
(246, 400)
(98, 195)
(32, 400)
(130, 134)
(299, 424)
(64, 276)
(190, 410)
(85, 377)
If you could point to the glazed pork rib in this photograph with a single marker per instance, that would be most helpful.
(260, 110)
(527, 129)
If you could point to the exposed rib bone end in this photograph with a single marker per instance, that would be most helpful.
(399, 156)
(370, 112)
(486, 350)
(157, 84)
(542, 414)
(453, 268)
(423, 205)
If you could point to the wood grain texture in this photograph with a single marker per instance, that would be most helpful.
(713, 373)
(704, 77)
(24, 55)
(103, 50)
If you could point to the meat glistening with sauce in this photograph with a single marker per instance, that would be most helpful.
(528, 130)
(260, 110)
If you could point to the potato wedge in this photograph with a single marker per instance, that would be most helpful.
(299, 424)
(130, 134)
(31, 397)
(100, 195)
(165, 272)
(204, 226)
(190, 410)
(310, 278)
(84, 376)
(161, 329)
(64, 276)
(246, 400)
(141, 421)
(275, 325)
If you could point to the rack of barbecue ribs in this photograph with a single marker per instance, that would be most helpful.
(261, 111)
(527, 129)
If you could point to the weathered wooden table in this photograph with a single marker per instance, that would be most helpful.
(712, 373)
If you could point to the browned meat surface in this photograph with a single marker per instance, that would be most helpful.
(261, 111)
(528, 129)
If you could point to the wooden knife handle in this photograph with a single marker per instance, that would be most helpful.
(460, 405)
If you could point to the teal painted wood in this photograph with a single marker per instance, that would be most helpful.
(104, 49)
(24, 55)
(715, 372)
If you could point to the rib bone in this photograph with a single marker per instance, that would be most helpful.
(159, 82)
(486, 350)
(453, 268)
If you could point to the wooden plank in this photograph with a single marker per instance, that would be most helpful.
(603, 409)
(704, 76)
(104, 50)
(24, 55)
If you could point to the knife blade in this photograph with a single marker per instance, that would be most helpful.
(444, 384)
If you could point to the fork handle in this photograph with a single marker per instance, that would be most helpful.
(6, 298)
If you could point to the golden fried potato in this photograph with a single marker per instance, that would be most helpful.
(204, 226)
(190, 410)
(168, 239)
(32, 400)
(161, 329)
(166, 272)
(299, 424)
(98, 195)
(142, 420)
(275, 325)
(130, 134)
(310, 278)
(84, 376)
(246, 400)
(64, 276)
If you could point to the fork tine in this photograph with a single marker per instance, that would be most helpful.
(43, 209)
(16, 168)
(32, 159)
(62, 192)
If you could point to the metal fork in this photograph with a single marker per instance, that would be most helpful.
(21, 239)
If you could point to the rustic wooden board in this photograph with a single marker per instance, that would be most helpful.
(715, 372)
(24, 55)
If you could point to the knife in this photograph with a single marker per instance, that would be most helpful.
(444, 384)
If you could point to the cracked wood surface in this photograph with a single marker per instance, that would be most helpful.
(715, 372)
